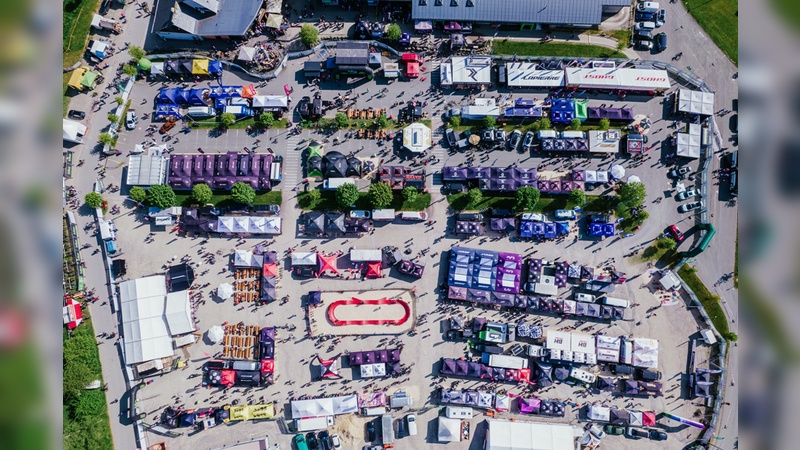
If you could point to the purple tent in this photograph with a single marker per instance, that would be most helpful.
(356, 358)
(456, 293)
(381, 356)
(504, 299)
(267, 334)
(577, 175)
(580, 308)
(462, 368)
(529, 406)
(394, 355)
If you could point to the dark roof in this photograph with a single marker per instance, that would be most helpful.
(514, 11)
(233, 17)
(351, 53)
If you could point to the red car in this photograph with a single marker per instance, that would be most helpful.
(676, 233)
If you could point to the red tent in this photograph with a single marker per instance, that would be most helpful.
(326, 263)
(228, 377)
(648, 418)
(329, 368)
(373, 270)
(270, 270)
(409, 57)
(73, 315)
(412, 70)
(267, 365)
(524, 374)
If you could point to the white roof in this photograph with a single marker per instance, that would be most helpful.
(304, 259)
(467, 70)
(582, 343)
(696, 102)
(546, 286)
(505, 435)
(449, 430)
(688, 145)
(246, 224)
(645, 353)
(270, 101)
(146, 170)
(319, 407)
(609, 342)
(144, 326)
(246, 258)
(362, 255)
(614, 78)
(178, 312)
(608, 355)
(599, 413)
(669, 280)
(345, 404)
(558, 340)
(525, 74)
(99, 47)
(246, 53)
(74, 131)
(417, 137)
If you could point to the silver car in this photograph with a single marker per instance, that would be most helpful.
(513, 141)
(527, 143)
(360, 214)
(686, 207)
(685, 195)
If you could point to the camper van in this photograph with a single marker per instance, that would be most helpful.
(458, 412)
(708, 336)
(648, 7)
(533, 217)
(275, 172)
(201, 112)
(547, 134)
(334, 183)
(506, 361)
(383, 215)
(613, 301)
(581, 297)
(566, 214)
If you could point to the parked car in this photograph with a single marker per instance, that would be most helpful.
(661, 42)
(371, 435)
(527, 143)
(470, 216)
(513, 141)
(644, 34)
(644, 16)
(76, 114)
(676, 233)
(337, 444)
(167, 126)
(596, 431)
(325, 440)
(732, 160)
(643, 44)
(131, 120)
(401, 428)
(360, 214)
(311, 440)
(614, 430)
(412, 425)
(644, 26)
(636, 433)
(656, 435)
(686, 195)
(680, 172)
(648, 375)
(686, 207)
(300, 442)
(454, 188)
(623, 369)
(661, 18)
(451, 137)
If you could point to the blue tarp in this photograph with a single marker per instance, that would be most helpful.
(562, 110)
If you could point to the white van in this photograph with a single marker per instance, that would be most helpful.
(458, 412)
(644, 26)
(414, 215)
(588, 298)
(383, 215)
(648, 7)
(618, 302)
(708, 336)
(201, 112)
(377, 411)
(547, 134)
(334, 183)
(411, 421)
(572, 134)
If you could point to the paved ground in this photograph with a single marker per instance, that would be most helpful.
(663, 325)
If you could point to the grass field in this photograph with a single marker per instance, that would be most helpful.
(77, 21)
(547, 203)
(709, 301)
(720, 19)
(327, 202)
(522, 48)
(222, 199)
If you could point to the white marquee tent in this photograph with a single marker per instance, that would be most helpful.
(373, 370)
(74, 131)
(696, 102)
(598, 413)
(144, 326)
(505, 435)
(320, 407)
(304, 259)
(689, 144)
(365, 255)
(417, 137)
(246, 258)
(449, 429)
(178, 312)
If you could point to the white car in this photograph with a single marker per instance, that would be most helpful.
(131, 120)
(685, 195)
(686, 207)
(337, 444)
(360, 214)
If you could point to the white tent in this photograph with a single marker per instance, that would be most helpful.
(246, 54)
(178, 312)
(271, 101)
(449, 429)
(689, 144)
(645, 353)
(247, 224)
(599, 413)
(696, 102)
(502, 402)
(304, 259)
(246, 258)
(505, 435)
(157, 68)
(558, 340)
(74, 131)
(317, 407)
(617, 171)
(147, 170)
(345, 404)
(636, 418)
(225, 291)
(373, 370)
(417, 137)
(216, 334)
(144, 327)
(365, 255)
(669, 280)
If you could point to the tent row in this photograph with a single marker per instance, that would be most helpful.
(334, 222)
(186, 67)
(269, 277)
(485, 270)
(220, 171)
(322, 407)
(475, 399)
(469, 369)
(332, 165)
(374, 356)
(622, 417)
(399, 177)
(543, 230)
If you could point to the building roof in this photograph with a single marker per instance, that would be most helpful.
(514, 11)
(467, 70)
(147, 170)
(505, 435)
(349, 53)
(206, 18)
(144, 325)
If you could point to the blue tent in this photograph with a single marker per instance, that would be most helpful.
(550, 230)
(195, 97)
(173, 96)
(601, 229)
(215, 67)
(608, 229)
(225, 91)
(526, 229)
(562, 110)
(538, 229)
(188, 419)
(562, 228)
(166, 110)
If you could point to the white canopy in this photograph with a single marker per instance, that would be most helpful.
(669, 280)
(271, 101)
(505, 435)
(525, 74)
(696, 102)
(599, 413)
(617, 171)
(144, 326)
(582, 343)
(216, 334)
(246, 54)
(417, 137)
(304, 259)
(373, 370)
(178, 312)
(147, 170)
(345, 404)
(636, 418)
(246, 224)
(225, 291)
(645, 353)
(157, 68)
(689, 144)
(558, 340)
(74, 131)
(246, 258)
(365, 255)
(449, 429)
(320, 407)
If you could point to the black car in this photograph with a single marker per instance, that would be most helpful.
(636, 433)
(267, 209)
(75, 114)
(645, 17)
(401, 428)
(325, 440)
(646, 35)
(470, 216)
(497, 212)
(733, 160)
(311, 440)
(656, 435)
(371, 435)
(454, 188)
(304, 271)
(661, 42)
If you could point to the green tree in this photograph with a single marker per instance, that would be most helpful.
(201, 193)
(227, 119)
(138, 194)
(535, 126)
(93, 199)
(119, 100)
(393, 32)
(130, 70)
(545, 124)
(475, 196)
(410, 194)
(346, 195)
(666, 242)
(731, 336)
(243, 193)
(113, 118)
(455, 121)
(526, 198)
(107, 139)
(314, 195)
(341, 120)
(632, 194)
(489, 122)
(380, 195)
(266, 119)
(161, 196)
(575, 124)
(76, 376)
(604, 124)
(383, 121)
(576, 198)
(136, 52)
(309, 35)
